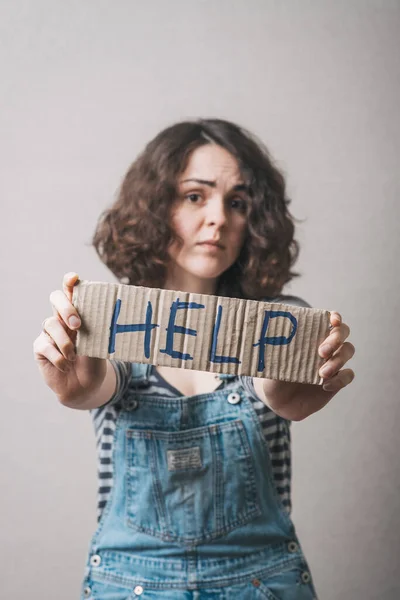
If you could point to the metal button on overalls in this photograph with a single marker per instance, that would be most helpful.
(95, 560)
(306, 577)
(138, 590)
(130, 404)
(234, 398)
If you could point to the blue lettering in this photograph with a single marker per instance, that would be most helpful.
(274, 340)
(146, 327)
(213, 356)
(172, 329)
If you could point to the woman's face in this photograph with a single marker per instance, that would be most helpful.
(209, 216)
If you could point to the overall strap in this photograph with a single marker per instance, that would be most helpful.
(140, 374)
(226, 377)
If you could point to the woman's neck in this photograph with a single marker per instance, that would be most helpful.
(185, 282)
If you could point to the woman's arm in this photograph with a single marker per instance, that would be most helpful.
(96, 398)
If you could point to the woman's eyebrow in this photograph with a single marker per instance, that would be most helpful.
(240, 187)
(202, 181)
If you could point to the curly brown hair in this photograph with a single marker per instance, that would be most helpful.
(133, 236)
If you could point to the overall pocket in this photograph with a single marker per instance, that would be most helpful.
(190, 486)
(292, 583)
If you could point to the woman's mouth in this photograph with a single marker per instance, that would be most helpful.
(211, 244)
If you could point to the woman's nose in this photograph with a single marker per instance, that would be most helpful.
(216, 213)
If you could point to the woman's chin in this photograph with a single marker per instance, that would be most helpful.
(206, 274)
(198, 275)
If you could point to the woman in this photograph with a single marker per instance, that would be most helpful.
(194, 469)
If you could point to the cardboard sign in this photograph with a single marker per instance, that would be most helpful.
(198, 331)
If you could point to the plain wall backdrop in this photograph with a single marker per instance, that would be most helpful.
(84, 85)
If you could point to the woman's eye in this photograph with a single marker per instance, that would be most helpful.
(238, 204)
(193, 198)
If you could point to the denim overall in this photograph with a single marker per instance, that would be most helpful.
(194, 513)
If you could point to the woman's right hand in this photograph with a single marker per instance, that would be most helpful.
(72, 378)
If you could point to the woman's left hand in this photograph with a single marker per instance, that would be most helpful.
(296, 401)
(308, 399)
(337, 352)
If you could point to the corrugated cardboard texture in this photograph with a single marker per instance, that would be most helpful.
(197, 331)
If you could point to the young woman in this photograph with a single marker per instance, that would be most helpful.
(194, 469)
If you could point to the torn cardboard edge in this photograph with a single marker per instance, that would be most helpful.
(201, 332)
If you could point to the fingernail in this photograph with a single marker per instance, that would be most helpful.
(74, 322)
(72, 356)
(328, 388)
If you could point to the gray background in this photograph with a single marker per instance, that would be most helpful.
(83, 86)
